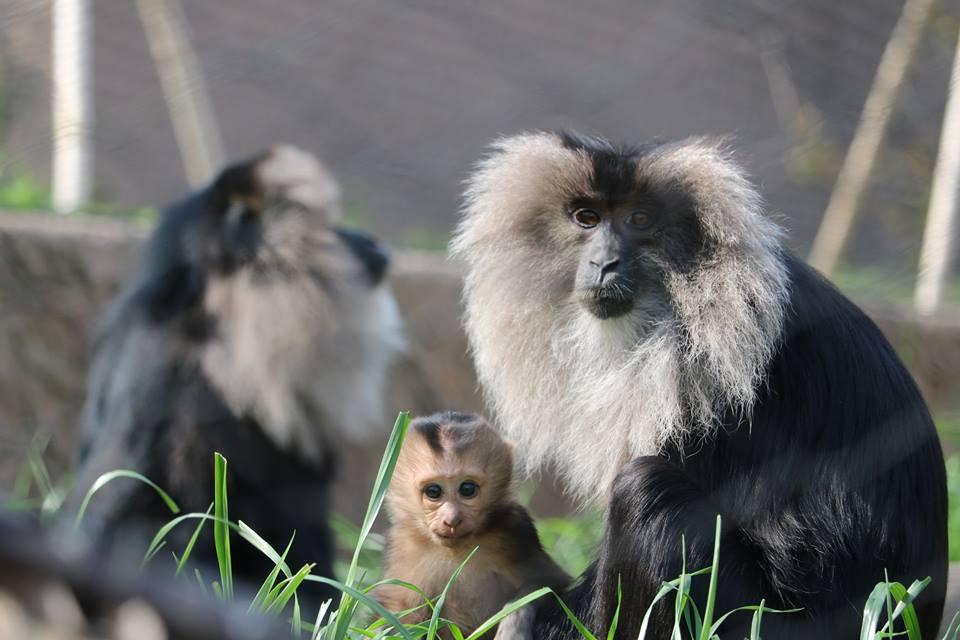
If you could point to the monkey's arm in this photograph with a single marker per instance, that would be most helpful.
(654, 506)
(542, 573)
(532, 569)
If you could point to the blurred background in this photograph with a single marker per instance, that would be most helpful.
(109, 110)
(401, 97)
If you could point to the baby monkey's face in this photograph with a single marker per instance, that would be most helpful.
(454, 503)
(454, 470)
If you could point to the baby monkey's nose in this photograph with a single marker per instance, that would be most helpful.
(452, 520)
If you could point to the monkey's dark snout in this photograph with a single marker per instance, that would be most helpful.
(371, 254)
(606, 270)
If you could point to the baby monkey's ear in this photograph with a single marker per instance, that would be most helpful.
(282, 173)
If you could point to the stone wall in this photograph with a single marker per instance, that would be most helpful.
(57, 275)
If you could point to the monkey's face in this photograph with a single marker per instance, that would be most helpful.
(611, 292)
(454, 504)
(584, 223)
(453, 471)
(292, 314)
(616, 245)
(276, 215)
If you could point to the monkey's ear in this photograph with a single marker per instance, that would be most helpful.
(283, 173)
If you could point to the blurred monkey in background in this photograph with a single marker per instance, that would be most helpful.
(256, 328)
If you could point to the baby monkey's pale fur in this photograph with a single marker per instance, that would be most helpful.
(434, 527)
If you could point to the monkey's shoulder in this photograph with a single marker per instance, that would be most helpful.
(510, 529)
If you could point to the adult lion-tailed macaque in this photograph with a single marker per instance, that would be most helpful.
(451, 493)
(638, 324)
(255, 327)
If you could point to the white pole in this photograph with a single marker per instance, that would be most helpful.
(184, 89)
(938, 236)
(72, 105)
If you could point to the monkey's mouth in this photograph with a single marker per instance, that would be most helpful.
(450, 538)
(607, 301)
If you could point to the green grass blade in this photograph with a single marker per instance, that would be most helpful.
(905, 609)
(384, 473)
(616, 614)
(517, 604)
(683, 592)
(295, 620)
(755, 622)
(203, 586)
(221, 532)
(274, 592)
(240, 529)
(575, 621)
(289, 589)
(259, 600)
(712, 630)
(193, 541)
(691, 616)
(263, 546)
(435, 618)
(321, 614)
(871, 612)
(150, 556)
(888, 599)
(712, 593)
(367, 601)
(38, 469)
(122, 473)
(348, 534)
(661, 594)
(158, 539)
(399, 583)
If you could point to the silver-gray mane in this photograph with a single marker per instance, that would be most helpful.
(587, 395)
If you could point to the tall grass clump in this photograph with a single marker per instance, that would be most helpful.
(888, 613)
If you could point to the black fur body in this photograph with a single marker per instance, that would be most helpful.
(836, 478)
(178, 373)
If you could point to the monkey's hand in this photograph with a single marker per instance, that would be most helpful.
(518, 625)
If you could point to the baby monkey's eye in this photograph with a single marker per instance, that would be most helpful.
(433, 491)
(468, 489)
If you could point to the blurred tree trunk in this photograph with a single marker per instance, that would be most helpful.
(188, 101)
(858, 164)
(938, 236)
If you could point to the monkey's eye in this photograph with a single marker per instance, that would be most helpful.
(468, 489)
(639, 219)
(586, 218)
(433, 491)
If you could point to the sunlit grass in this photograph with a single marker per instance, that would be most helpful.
(889, 611)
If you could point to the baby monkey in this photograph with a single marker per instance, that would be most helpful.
(452, 492)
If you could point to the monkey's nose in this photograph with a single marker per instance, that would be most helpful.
(452, 521)
(605, 268)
